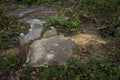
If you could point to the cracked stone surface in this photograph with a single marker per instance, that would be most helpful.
(44, 51)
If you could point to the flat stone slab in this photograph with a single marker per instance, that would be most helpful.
(21, 12)
(47, 50)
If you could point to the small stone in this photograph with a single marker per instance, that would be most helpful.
(35, 22)
(35, 31)
(50, 33)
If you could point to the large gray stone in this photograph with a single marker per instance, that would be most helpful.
(47, 50)
(21, 12)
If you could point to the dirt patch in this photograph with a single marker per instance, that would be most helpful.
(89, 46)
(12, 51)
(84, 39)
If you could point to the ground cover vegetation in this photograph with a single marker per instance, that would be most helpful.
(11, 66)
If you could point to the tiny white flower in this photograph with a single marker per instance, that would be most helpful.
(22, 35)
(30, 29)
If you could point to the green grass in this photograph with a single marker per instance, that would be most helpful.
(29, 2)
(108, 10)
(74, 70)
(104, 5)
(35, 2)
(70, 26)
(9, 33)
(12, 65)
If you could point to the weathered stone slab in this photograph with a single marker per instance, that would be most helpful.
(22, 12)
(51, 49)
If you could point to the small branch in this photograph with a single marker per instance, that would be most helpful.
(102, 27)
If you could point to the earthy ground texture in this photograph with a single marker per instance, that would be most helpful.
(91, 42)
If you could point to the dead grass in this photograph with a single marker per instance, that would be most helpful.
(84, 39)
